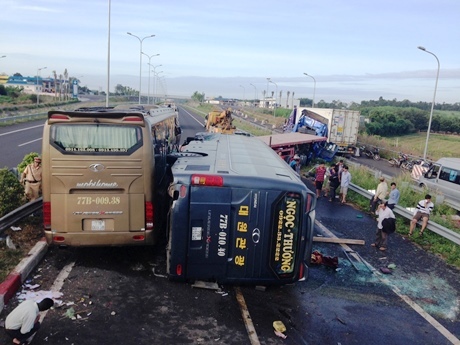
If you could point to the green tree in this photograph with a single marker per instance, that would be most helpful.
(198, 97)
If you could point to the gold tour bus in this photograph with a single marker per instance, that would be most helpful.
(102, 169)
(239, 215)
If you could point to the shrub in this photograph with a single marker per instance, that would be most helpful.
(12, 195)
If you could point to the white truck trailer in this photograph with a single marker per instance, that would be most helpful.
(340, 126)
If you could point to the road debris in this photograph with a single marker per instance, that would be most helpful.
(70, 313)
(338, 240)
(157, 274)
(9, 243)
(281, 335)
(280, 328)
(385, 270)
(355, 259)
(206, 285)
(319, 259)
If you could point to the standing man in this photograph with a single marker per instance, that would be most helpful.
(381, 238)
(340, 167)
(345, 181)
(423, 210)
(32, 179)
(319, 179)
(23, 322)
(334, 181)
(380, 194)
(393, 196)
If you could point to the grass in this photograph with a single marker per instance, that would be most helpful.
(24, 239)
(439, 145)
(8, 259)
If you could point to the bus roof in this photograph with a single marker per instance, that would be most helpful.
(89, 112)
(233, 155)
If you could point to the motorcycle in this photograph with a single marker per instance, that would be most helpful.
(374, 154)
(400, 161)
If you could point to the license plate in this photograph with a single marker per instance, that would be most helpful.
(196, 233)
(98, 225)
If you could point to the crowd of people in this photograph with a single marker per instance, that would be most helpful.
(330, 179)
(382, 204)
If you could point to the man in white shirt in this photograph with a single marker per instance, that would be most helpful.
(381, 238)
(22, 322)
(345, 181)
(422, 211)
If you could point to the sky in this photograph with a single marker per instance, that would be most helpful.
(352, 50)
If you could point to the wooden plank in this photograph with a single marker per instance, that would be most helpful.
(337, 240)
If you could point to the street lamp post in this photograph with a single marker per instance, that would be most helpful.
(276, 91)
(140, 60)
(155, 78)
(108, 59)
(244, 91)
(162, 83)
(148, 89)
(38, 91)
(268, 81)
(432, 104)
(154, 81)
(255, 94)
(314, 89)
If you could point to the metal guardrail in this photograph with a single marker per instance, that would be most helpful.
(16, 215)
(439, 229)
(22, 117)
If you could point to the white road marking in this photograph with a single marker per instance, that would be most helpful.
(440, 328)
(20, 130)
(193, 117)
(29, 142)
(247, 318)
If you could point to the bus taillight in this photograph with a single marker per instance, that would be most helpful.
(132, 119)
(58, 239)
(179, 269)
(47, 215)
(182, 191)
(149, 213)
(207, 180)
(301, 270)
(59, 117)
